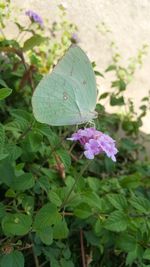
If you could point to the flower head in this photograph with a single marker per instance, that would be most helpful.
(34, 17)
(95, 142)
(74, 38)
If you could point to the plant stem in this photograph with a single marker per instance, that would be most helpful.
(28, 129)
(76, 181)
(82, 249)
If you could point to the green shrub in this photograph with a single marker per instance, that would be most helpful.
(47, 217)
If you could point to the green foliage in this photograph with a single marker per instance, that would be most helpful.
(53, 201)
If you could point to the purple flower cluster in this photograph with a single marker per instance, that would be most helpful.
(95, 142)
(34, 17)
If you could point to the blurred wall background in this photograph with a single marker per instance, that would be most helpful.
(129, 25)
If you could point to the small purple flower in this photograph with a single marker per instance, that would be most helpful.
(74, 38)
(34, 17)
(95, 142)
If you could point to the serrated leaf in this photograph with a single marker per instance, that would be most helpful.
(54, 198)
(23, 182)
(117, 222)
(5, 92)
(94, 183)
(14, 259)
(46, 216)
(82, 211)
(46, 235)
(65, 157)
(92, 199)
(60, 230)
(141, 204)
(131, 181)
(7, 174)
(44, 183)
(14, 152)
(16, 224)
(146, 254)
(34, 140)
(126, 242)
(134, 254)
(118, 201)
(3, 153)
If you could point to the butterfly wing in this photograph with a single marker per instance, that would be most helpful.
(67, 95)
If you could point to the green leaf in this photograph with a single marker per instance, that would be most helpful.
(98, 227)
(60, 230)
(46, 216)
(94, 183)
(82, 211)
(35, 40)
(35, 140)
(117, 222)
(120, 84)
(23, 182)
(3, 154)
(65, 157)
(5, 92)
(141, 204)
(92, 238)
(14, 259)
(14, 151)
(131, 181)
(116, 101)
(110, 68)
(2, 82)
(97, 73)
(16, 224)
(126, 242)
(118, 201)
(7, 174)
(44, 183)
(92, 199)
(46, 235)
(2, 136)
(54, 198)
(146, 255)
(104, 95)
(2, 210)
(66, 263)
(134, 254)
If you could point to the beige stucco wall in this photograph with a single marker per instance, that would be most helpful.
(129, 22)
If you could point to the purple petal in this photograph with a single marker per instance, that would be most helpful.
(89, 154)
(34, 17)
(95, 142)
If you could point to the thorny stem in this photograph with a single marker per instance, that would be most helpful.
(72, 188)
